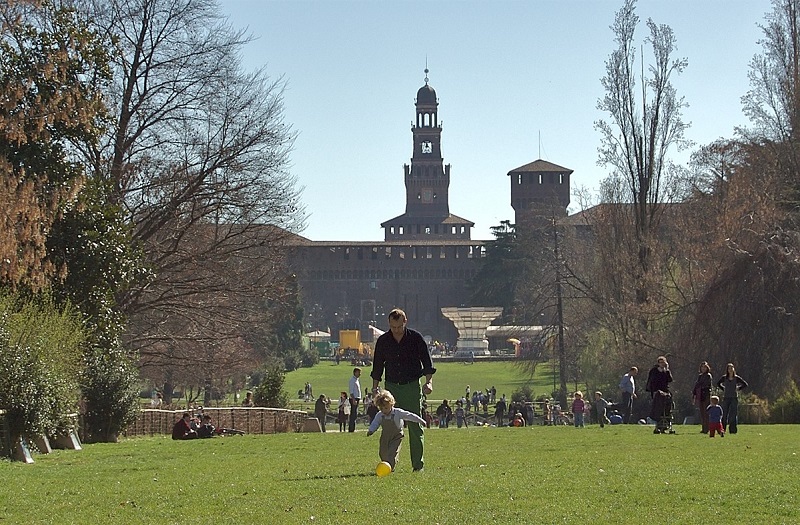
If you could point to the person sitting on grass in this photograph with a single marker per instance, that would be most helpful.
(391, 420)
(182, 428)
(206, 429)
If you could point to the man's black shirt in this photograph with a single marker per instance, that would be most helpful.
(403, 362)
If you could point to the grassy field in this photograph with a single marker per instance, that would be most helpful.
(543, 475)
(449, 382)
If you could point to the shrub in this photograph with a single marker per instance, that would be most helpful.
(522, 394)
(292, 360)
(310, 357)
(786, 409)
(40, 349)
(110, 389)
(270, 392)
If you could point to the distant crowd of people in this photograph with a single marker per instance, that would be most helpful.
(402, 360)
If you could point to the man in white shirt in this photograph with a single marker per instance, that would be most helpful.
(355, 398)
(627, 386)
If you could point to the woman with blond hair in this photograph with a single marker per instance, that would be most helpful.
(730, 383)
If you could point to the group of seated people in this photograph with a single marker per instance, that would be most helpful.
(188, 427)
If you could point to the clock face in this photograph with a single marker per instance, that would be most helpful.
(427, 195)
(427, 147)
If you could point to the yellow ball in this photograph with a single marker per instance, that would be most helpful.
(383, 469)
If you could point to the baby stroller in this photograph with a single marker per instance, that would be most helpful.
(661, 412)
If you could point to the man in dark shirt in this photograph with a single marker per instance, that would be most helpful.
(403, 354)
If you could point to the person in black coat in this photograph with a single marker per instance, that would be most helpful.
(658, 379)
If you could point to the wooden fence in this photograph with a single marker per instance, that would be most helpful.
(251, 420)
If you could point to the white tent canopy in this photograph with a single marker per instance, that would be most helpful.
(376, 332)
(319, 335)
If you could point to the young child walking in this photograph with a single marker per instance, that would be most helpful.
(392, 421)
(461, 415)
(715, 417)
(601, 406)
(578, 407)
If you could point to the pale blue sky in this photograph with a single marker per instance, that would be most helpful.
(516, 80)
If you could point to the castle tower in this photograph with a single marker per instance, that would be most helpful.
(539, 191)
(427, 181)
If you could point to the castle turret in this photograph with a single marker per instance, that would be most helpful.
(539, 190)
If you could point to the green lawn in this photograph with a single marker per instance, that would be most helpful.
(533, 475)
(449, 382)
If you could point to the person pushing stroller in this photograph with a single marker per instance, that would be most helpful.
(658, 380)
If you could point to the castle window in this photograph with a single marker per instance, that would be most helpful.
(400, 230)
(463, 229)
(346, 254)
(453, 230)
(561, 178)
(374, 252)
(401, 253)
(427, 230)
(540, 178)
(442, 253)
(428, 252)
(387, 252)
(373, 285)
(391, 230)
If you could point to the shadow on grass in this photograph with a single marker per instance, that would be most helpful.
(329, 476)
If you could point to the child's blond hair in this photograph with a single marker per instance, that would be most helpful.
(384, 398)
(579, 394)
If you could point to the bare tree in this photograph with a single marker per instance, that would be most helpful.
(198, 154)
(646, 123)
(622, 285)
